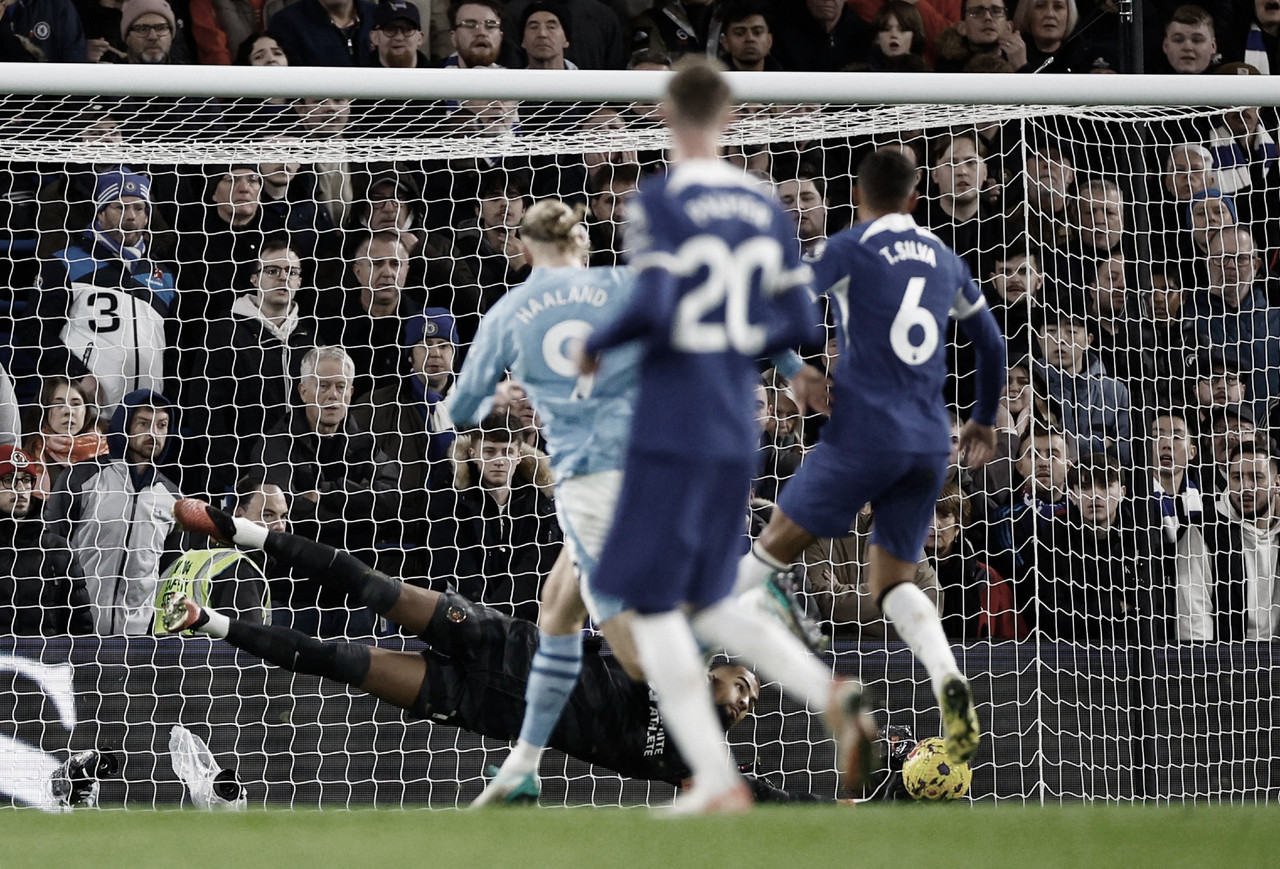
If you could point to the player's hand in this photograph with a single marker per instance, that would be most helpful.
(977, 444)
(588, 363)
(811, 390)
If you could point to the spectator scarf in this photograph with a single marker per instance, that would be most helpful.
(1192, 501)
(1046, 509)
(1255, 50)
(1237, 167)
(64, 450)
(126, 253)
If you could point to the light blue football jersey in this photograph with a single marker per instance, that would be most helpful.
(531, 332)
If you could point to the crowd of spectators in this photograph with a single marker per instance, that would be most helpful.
(281, 336)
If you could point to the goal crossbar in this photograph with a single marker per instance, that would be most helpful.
(607, 85)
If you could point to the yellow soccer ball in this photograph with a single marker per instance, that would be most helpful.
(929, 774)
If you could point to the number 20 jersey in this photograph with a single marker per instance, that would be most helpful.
(894, 284)
(719, 284)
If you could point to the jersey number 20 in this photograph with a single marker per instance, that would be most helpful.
(728, 282)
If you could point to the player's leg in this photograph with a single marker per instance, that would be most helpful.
(392, 676)
(406, 605)
(778, 545)
(903, 513)
(820, 501)
(651, 560)
(585, 506)
(554, 673)
(672, 659)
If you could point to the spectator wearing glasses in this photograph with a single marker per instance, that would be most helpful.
(42, 590)
(398, 37)
(325, 32)
(239, 388)
(147, 28)
(476, 34)
(984, 30)
(105, 36)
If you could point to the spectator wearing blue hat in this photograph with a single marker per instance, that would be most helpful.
(103, 302)
(408, 419)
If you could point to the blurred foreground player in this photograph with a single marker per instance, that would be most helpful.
(888, 440)
(528, 334)
(474, 674)
(719, 283)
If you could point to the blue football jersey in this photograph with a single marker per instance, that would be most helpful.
(719, 284)
(894, 285)
(531, 332)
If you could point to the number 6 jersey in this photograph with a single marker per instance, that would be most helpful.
(894, 284)
(719, 284)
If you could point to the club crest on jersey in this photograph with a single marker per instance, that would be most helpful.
(910, 249)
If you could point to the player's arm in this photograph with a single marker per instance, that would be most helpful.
(486, 365)
(653, 302)
(978, 436)
(810, 388)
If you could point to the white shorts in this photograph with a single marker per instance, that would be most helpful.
(585, 506)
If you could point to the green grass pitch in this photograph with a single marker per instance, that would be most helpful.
(791, 837)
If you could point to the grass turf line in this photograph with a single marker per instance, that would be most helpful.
(791, 837)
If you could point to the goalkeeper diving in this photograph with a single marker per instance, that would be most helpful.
(474, 673)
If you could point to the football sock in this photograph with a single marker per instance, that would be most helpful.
(769, 646)
(334, 568)
(915, 618)
(249, 534)
(755, 568)
(555, 670)
(673, 664)
(295, 651)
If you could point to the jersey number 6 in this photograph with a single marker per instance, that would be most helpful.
(909, 315)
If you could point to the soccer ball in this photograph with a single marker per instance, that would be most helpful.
(929, 774)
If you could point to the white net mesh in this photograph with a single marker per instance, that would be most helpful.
(1116, 622)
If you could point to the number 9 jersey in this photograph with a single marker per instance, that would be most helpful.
(894, 284)
(719, 284)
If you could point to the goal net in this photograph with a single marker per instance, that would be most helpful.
(1109, 580)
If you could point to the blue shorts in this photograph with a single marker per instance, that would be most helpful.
(835, 482)
(679, 528)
